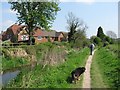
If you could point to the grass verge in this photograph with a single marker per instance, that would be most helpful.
(104, 70)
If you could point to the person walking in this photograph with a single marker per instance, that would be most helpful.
(92, 46)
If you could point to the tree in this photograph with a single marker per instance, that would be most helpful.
(92, 39)
(100, 33)
(35, 13)
(97, 40)
(111, 34)
(76, 29)
(74, 25)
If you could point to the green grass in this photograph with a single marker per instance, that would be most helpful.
(104, 69)
(54, 76)
(39, 51)
(114, 48)
(9, 63)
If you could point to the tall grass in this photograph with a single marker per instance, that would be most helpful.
(9, 63)
(104, 70)
(52, 76)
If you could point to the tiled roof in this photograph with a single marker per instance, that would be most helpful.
(15, 28)
(37, 32)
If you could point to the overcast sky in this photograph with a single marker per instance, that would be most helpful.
(94, 13)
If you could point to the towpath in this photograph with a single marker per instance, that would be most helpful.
(86, 75)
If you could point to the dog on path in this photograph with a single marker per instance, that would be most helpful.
(76, 74)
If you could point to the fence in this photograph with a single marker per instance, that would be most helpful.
(13, 45)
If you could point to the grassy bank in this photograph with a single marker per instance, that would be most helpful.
(104, 69)
(52, 76)
(19, 56)
(8, 63)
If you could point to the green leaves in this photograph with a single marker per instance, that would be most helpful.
(35, 13)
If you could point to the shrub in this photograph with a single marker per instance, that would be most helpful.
(97, 40)
(105, 44)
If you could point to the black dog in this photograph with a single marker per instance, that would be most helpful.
(76, 74)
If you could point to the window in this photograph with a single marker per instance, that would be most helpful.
(24, 37)
(8, 36)
(39, 38)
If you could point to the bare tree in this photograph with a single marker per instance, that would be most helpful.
(111, 34)
(76, 28)
(74, 25)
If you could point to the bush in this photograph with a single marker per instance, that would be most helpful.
(97, 40)
(108, 39)
(105, 44)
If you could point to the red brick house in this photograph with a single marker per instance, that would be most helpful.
(16, 33)
(44, 36)
(19, 33)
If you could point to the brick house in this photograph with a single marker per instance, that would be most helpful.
(16, 33)
(44, 36)
(19, 33)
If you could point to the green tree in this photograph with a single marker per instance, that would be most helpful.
(100, 33)
(108, 39)
(92, 39)
(34, 13)
(97, 40)
(79, 39)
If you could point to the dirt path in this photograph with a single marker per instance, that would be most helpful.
(86, 77)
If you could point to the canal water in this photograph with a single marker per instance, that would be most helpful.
(6, 77)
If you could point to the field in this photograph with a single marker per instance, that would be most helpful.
(105, 68)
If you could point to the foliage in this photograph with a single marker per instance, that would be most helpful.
(14, 39)
(105, 44)
(92, 39)
(108, 39)
(97, 40)
(108, 67)
(114, 48)
(9, 62)
(76, 28)
(51, 77)
(100, 33)
(35, 13)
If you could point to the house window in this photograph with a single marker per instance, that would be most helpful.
(39, 38)
(8, 36)
(24, 37)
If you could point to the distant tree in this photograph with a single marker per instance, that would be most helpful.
(108, 39)
(111, 34)
(76, 29)
(92, 39)
(34, 13)
(97, 40)
(79, 39)
(100, 33)
(74, 25)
